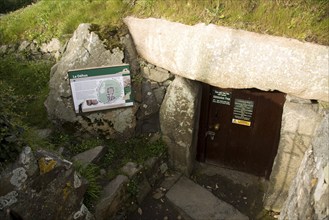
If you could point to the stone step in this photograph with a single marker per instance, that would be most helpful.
(197, 203)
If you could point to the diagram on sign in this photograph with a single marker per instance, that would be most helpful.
(109, 91)
(100, 88)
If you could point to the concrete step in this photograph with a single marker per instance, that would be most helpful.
(197, 203)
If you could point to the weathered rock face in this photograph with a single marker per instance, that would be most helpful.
(178, 121)
(85, 49)
(309, 192)
(300, 120)
(53, 48)
(90, 156)
(156, 74)
(42, 187)
(112, 197)
(229, 58)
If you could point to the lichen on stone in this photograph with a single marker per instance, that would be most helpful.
(46, 164)
(82, 212)
(19, 177)
(77, 181)
(66, 190)
(8, 199)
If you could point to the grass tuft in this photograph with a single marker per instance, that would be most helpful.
(90, 173)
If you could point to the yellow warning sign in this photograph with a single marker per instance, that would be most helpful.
(241, 122)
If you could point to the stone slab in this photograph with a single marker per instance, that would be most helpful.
(170, 180)
(230, 58)
(130, 169)
(196, 203)
(90, 156)
(178, 115)
(299, 123)
(111, 198)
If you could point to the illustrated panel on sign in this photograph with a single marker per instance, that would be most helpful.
(100, 88)
(242, 112)
(221, 97)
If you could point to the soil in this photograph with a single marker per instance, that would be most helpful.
(155, 209)
(243, 191)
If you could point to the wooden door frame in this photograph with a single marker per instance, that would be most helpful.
(203, 123)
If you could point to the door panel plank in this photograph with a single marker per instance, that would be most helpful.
(246, 126)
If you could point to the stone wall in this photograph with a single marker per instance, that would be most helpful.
(309, 193)
(154, 85)
(34, 50)
(229, 58)
(149, 84)
(300, 119)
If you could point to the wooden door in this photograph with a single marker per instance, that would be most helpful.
(240, 129)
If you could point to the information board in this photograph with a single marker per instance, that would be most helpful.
(221, 97)
(242, 112)
(100, 88)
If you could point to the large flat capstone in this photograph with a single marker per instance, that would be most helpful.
(196, 203)
(229, 58)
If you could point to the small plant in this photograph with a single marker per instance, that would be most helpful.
(84, 145)
(90, 173)
(157, 148)
(110, 156)
(132, 188)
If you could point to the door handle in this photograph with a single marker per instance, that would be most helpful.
(211, 134)
(216, 127)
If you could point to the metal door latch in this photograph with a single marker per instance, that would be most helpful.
(211, 134)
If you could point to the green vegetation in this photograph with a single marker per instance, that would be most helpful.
(23, 86)
(10, 129)
(119, 152)
(27, 88)
(47, 19)
(24, 83)
(90, 172)
(136, 150)
(301, 19)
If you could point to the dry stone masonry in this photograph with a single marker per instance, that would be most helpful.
(300, 120)
(33, 50)
(309, 192)
(229, 58)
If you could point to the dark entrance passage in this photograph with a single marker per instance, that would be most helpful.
(240, 129)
